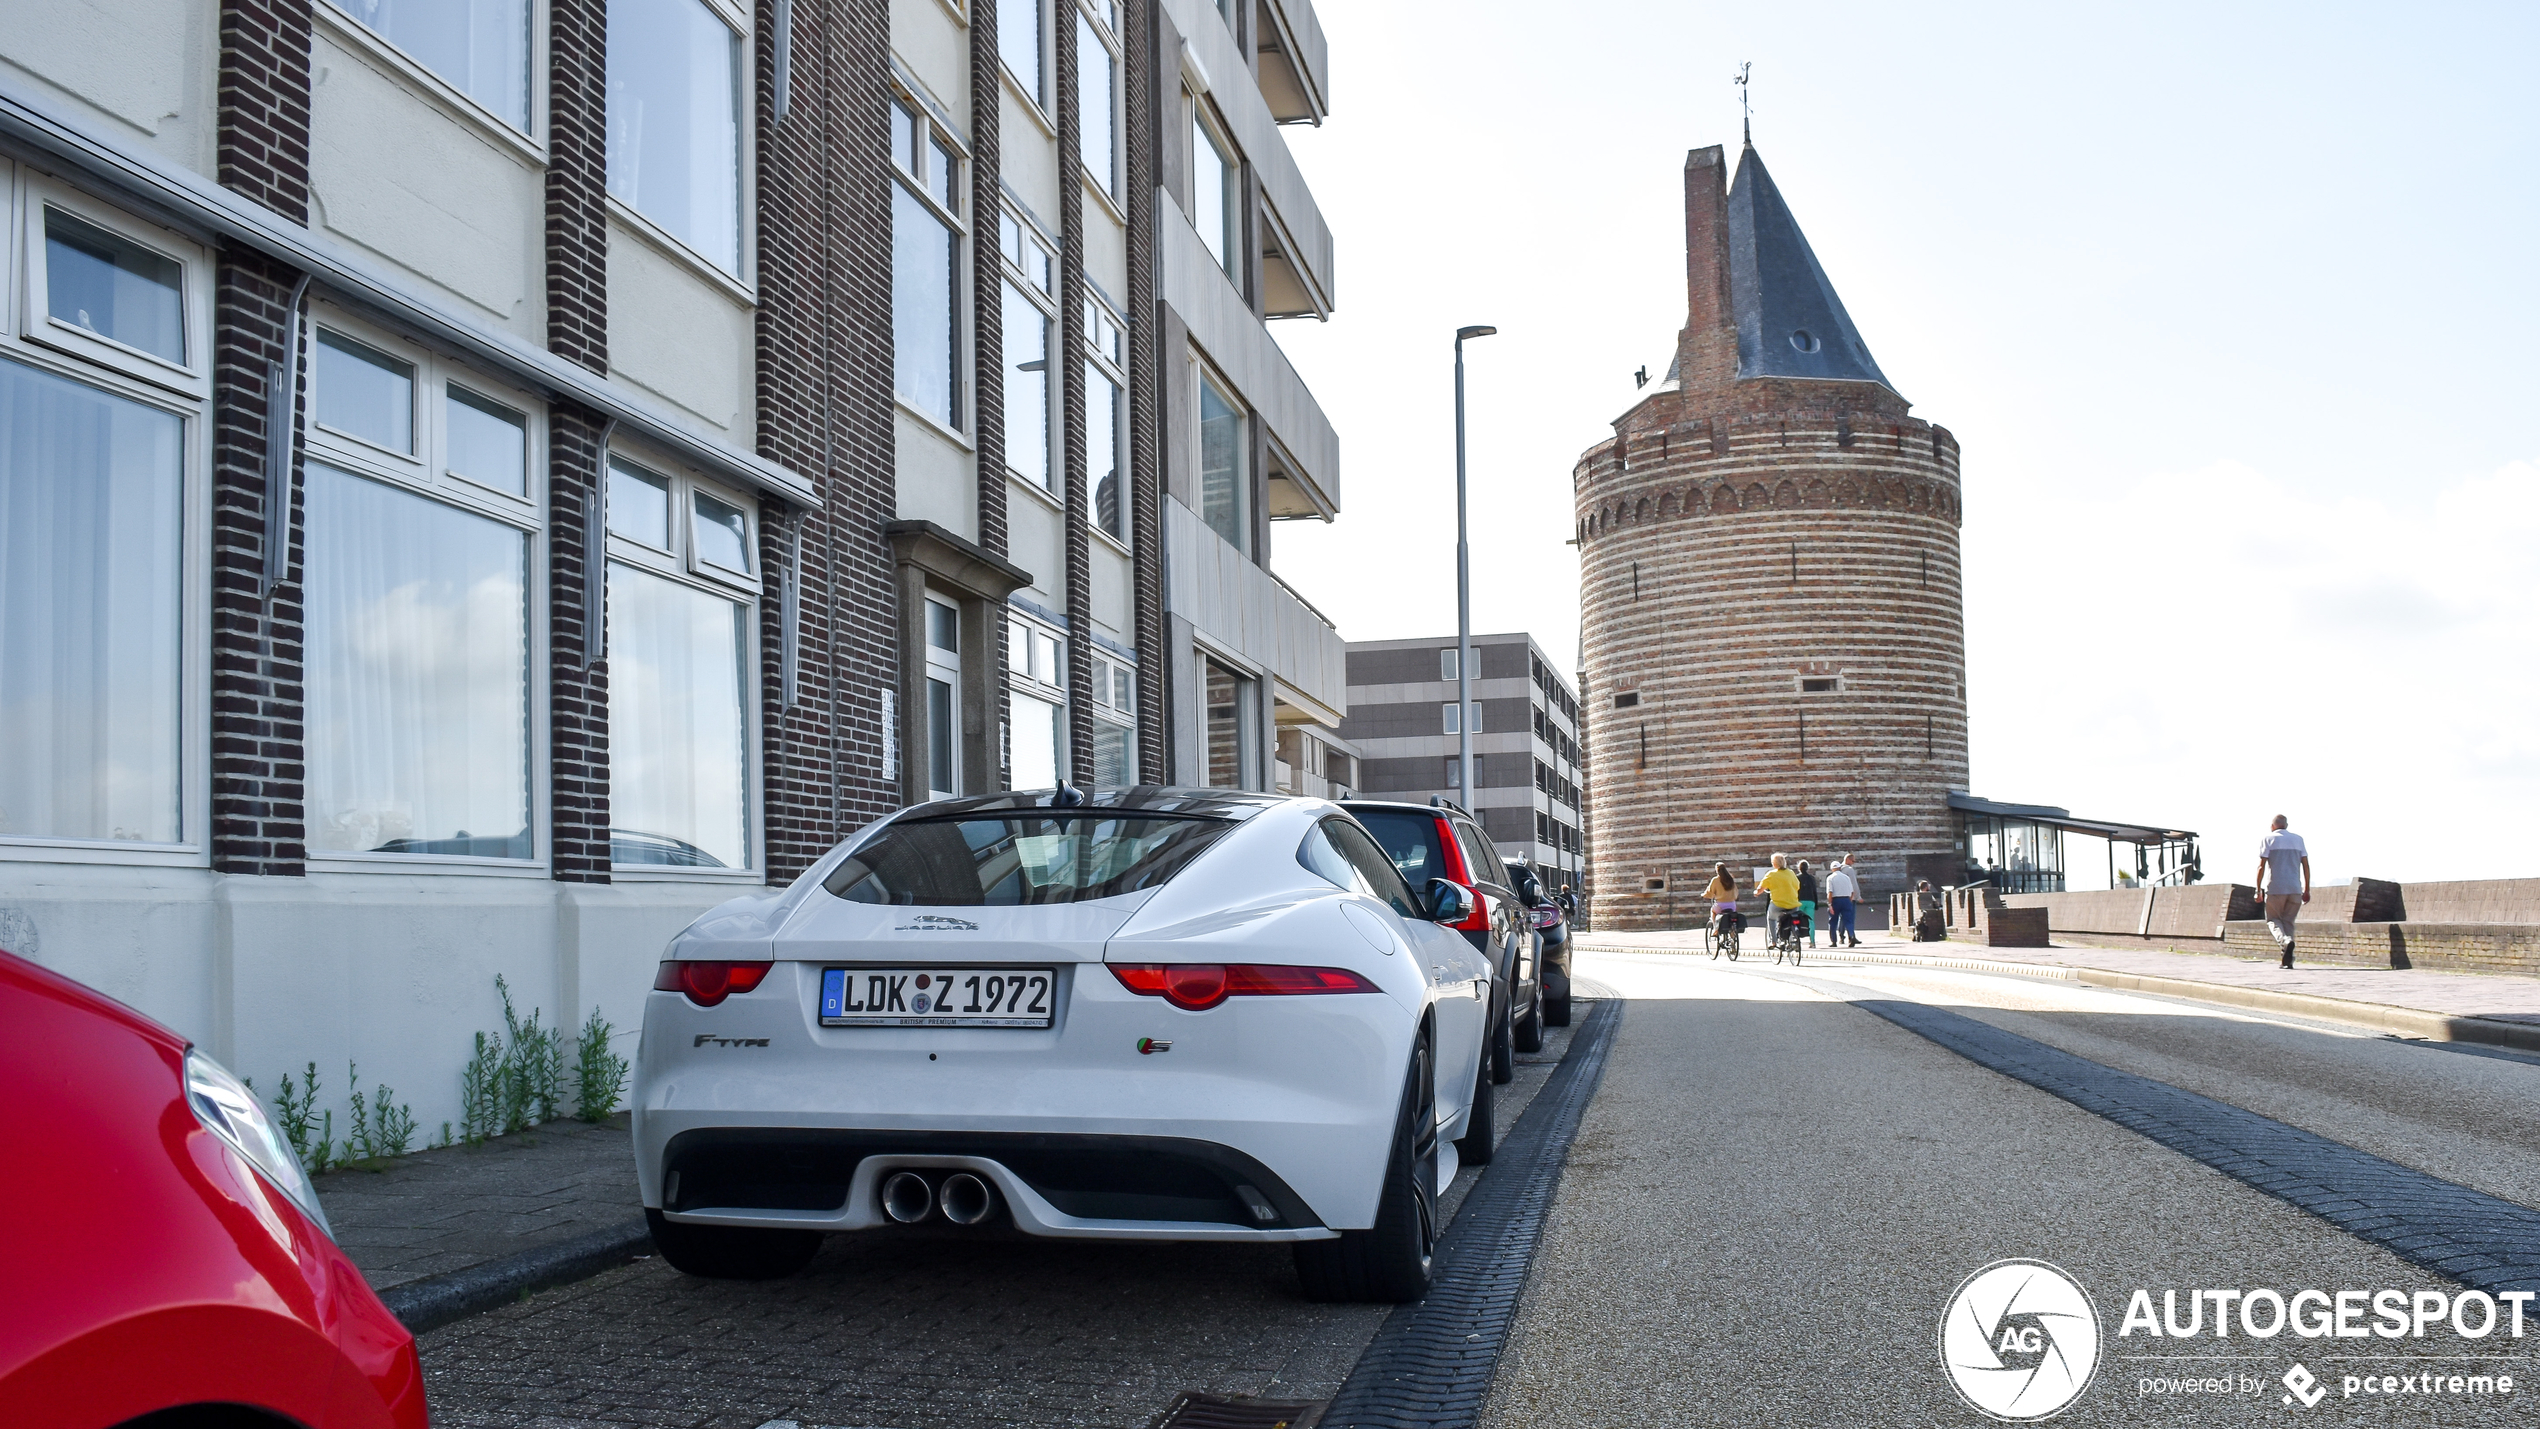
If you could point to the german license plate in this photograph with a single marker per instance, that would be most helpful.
(936, 997)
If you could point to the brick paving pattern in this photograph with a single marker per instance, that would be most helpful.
(439, 1211)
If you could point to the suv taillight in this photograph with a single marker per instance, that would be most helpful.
(708, 983)
(1456, 870)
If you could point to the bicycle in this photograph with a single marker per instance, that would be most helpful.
(1787, 934)
(1720, 936)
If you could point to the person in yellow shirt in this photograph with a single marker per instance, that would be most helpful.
(1782, 886)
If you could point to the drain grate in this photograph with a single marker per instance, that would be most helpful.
(1220, 1411)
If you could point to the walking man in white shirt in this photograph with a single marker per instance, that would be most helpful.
(2284, 876)
(1843, 886)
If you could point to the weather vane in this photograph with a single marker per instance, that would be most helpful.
(1746, 111)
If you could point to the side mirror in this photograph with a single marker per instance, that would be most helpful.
(1449, 901)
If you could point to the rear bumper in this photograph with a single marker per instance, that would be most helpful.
(1085, 1187)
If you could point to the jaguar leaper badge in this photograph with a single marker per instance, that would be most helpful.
(1149, 1046)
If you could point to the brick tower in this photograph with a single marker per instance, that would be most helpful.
(1773, 636)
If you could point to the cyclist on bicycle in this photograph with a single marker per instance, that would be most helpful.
(1725, 918)
(1782, 886)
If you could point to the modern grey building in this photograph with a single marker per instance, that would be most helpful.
(1404, 721)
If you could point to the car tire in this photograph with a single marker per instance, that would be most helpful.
(1556, 998)
(1530, 1027)
(1503, 1041)
(731, 1252)
(1481, 1129)
(1389, 1262)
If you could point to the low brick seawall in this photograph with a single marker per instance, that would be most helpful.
(2448, 947)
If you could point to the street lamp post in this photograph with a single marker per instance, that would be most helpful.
(1463, 586)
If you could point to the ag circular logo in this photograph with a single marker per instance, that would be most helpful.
(2020, 1340)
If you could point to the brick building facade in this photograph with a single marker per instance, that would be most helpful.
(1773, 645)
(467, 505)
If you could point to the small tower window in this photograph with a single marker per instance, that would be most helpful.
(1805, 340)
(1820, 686)
(1627, 700)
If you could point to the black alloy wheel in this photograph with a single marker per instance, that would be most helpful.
(731, 1252)
(1390, 1261)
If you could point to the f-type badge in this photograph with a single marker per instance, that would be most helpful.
(1149, 1046)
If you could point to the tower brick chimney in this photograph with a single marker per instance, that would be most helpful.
(1706, 352)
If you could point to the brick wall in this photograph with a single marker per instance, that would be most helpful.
(1149, 367)
(577, 331)
(258, 703)
(2446, 947)
(1736, 537)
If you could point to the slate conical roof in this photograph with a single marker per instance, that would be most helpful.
(1789, 321)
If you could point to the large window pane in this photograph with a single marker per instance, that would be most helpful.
(1019, 44)
(1038, 736)
(418, 674)
(674, 142)
(723, 534)
(480, 46)
(489, 442)
(1102, 454)
(113, 287)
(922, 256)
(91, 516)
(1111, 755)
(1096, 80)
(363, 392)
(943, 743)
(1027, 388)
(678, 740)
(1229, 725)
(1221, 466)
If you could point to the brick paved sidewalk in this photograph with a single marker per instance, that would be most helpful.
(2485, 995)
(458, 1207)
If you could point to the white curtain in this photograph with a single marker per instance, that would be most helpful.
(678, 737)
(91, 521)
(418, 674)
(1038, 737)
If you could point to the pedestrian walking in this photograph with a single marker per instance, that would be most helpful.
(1843, 886)
(2284, 877)
(1808, 899)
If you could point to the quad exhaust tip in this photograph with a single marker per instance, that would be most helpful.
(966, 1200)
(907, 1198)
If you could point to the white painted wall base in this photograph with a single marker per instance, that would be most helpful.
(393, 972)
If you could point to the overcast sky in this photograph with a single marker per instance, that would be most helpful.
(2233, 308)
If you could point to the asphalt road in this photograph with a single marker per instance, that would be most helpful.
(1777, 1194)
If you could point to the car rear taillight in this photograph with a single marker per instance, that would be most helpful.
(1456, 871)
(708, 983)
(1197, 987)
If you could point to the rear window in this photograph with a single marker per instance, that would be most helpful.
(1410, 840)
(1002, 860)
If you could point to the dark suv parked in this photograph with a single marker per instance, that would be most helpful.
(1552, 942)
(1430, 841)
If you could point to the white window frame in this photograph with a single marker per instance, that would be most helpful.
(1206, 375)
(531, 142)
(1031, 265)
(113, 369)
(1102, 17)
(1106, 346)
(739, 282)
(36, 324)
(964, 299)
(945, 666)
(1041, 105)
(1022, 682)
(1206, 125)
(425, 472)
(680, 564)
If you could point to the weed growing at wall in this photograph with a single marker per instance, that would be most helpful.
(598, 1073)
(380, 1125)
